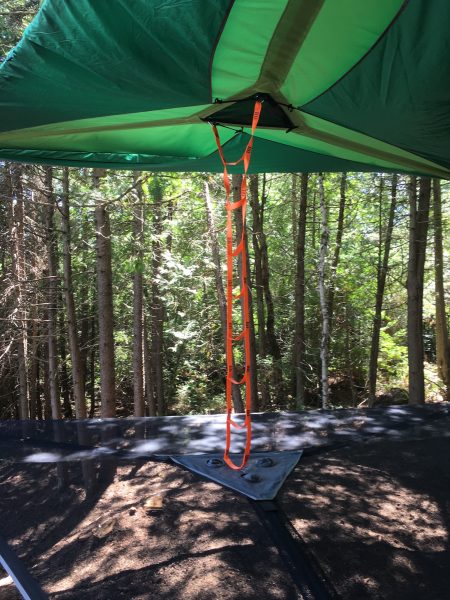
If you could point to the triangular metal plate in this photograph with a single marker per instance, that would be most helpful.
(260, 479)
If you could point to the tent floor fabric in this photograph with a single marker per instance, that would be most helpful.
(374, 514)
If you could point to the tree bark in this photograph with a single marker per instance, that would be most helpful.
(299, 335)
(138, 235)
(442, 341)
(215, 253)
(34, 368)
(263, 378)
(88, 354)
(294, 199)
(46, 382)
(236, 185)
(18, 268)
(273, 348)
(157, 306)
(105, 303)
(66, 384)
(383, 266)
(325, 338)
(419, 216)
(337, 247)
(148, 371)
(52, 296)
(78, 366)
(87, 310)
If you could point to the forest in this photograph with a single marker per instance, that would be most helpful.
(112, 288)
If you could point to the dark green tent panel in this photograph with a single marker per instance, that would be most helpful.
(347, 85)
(400, 91)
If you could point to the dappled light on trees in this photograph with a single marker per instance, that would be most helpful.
(166, 234)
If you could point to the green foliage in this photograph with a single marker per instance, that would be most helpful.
(393, 357)
(15, 15)
(194, 361)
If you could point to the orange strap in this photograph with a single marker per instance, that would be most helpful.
(243, 294)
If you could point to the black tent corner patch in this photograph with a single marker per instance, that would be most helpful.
(240, 113)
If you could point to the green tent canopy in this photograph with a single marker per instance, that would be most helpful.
(358, 85)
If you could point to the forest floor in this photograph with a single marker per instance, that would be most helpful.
(375, 515)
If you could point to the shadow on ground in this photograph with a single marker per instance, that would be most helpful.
(377, 515)
(137, 531)
(100, 520)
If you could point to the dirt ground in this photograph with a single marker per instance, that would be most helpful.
(376, 516)
(153, 531)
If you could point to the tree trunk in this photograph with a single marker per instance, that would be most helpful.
(46, 382)
(105, 303)
(299, 335)
(39, 405)
(263, 379)
(337, 247)
(294, 199)
(138, 235)
(87, 312)
(78, 367)
(314, 219)
(65, 379)
(442, 341)
(52, 291)
(419, 216)
(34, 367)
(92, 361)
(212, 235)
(348, 351)
(236, 185)
(383, 266)
(271, 345)
(18, 268)
(157, 306)
(325, 338)
(148, 371)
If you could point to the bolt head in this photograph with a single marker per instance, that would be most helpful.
(265, 462)
(214, 463)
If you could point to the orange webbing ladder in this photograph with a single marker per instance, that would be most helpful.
(243, 294)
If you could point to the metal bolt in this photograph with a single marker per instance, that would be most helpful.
(214, 463)
(250, 477)
(264, 462)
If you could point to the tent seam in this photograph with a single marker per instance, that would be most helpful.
(396, 146)
(214, 48)
(372, 47)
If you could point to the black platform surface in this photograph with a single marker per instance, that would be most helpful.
(152, 437)
(94, 511)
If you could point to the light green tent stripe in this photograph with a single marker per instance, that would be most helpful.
(342, 33)
(192, 140)
(133, 133)
(267, 157)
(289, 36)
(107, 160)
(311, 144)
(243, 45)
(130, 121)
(332, 36)
(351, 138)
(329, 140)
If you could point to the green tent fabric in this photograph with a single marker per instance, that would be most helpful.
(346, 84)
